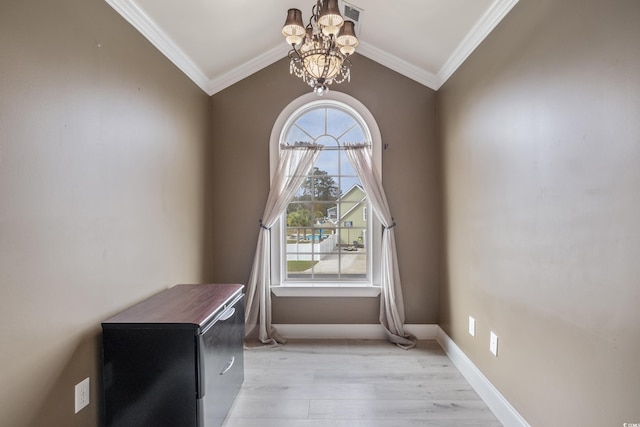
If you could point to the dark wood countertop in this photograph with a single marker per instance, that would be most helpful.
(181, 304)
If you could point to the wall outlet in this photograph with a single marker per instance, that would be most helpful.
(82, 394)
(493, 344)
(472, 326)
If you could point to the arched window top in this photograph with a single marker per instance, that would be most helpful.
(328, 123)
(346, 120)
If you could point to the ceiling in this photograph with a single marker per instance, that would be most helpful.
(218, 43)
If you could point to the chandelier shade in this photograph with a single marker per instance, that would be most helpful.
(330, 19)
(347, 39)
(320, 50)
(293, 28)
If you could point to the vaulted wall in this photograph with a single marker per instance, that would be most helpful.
(541, 140)
(104, 159)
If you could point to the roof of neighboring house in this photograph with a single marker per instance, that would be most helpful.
(353, 187)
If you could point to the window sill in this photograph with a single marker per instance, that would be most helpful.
(326, 291)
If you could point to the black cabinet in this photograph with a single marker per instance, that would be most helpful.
(175, 359)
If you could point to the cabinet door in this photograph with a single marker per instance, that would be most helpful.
(222, 364)
(150, 377)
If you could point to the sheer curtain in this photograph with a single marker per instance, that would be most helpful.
(391, 302)
(293, 166)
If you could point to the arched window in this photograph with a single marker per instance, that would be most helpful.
(325, 242)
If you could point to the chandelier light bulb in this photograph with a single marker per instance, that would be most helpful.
(330, 30)
(293, 40)
(347, 50)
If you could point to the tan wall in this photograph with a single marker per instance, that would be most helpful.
(541, 137)
(103, 145)
(243, 116)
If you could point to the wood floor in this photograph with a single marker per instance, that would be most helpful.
(355, 383)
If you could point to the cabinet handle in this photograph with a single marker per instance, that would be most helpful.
(227, 314)
(228, 365)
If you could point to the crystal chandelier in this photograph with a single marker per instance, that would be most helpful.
(320, 51)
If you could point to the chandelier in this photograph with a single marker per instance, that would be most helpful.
(320, 51)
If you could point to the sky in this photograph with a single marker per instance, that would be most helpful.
(330, 127)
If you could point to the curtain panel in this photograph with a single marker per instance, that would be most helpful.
(391, 302)
(294, 164)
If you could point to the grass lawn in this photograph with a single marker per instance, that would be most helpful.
(293, 266)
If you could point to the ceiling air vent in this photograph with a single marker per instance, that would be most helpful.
(353, 13)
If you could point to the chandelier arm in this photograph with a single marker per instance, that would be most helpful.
(327, 61)
(325, 69)
(315, 13)
(294, 54)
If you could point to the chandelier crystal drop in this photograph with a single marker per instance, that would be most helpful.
(320, 51)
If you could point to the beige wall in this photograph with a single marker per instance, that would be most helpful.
(103, 148)
(541, 137)
(243, 116)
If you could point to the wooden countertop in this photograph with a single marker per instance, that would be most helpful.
(181, 304)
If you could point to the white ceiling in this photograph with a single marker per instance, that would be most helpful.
(218, 43)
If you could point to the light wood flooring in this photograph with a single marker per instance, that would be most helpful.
(355, 383)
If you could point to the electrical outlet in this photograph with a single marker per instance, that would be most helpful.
(472, 326)
(82, 394)
(493, 344)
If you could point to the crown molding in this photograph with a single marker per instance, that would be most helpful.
(399, 65)
(245, 70)
(148, 28)
(498, 10)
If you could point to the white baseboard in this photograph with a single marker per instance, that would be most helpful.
(500, 406)
(346, 331)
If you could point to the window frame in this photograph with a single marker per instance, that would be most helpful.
(325, 289)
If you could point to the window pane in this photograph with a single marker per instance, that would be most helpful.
(354, 135)
(312, 122)
(322, 187)
(339, 122)
(297, 135)
(328, 161)
(354, 265)
(328, 264)
(299, 194)
(351, 236)
(345, 165)
(329, 213)
(347, 183)
(299, 269)
(298, 215)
